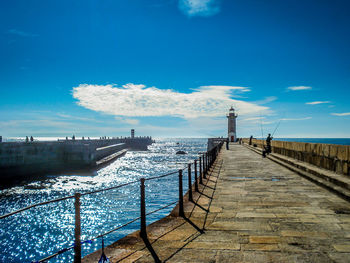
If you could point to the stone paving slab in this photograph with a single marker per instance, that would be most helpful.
(259, 212)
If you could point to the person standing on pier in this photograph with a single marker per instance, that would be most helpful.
(227, 141)
(267, 149)
(250, 140)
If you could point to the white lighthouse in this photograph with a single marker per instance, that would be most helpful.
(231, 117)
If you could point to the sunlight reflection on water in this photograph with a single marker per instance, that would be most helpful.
(41, 231)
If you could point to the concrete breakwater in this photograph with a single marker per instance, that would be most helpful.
(213, 142)
(26, 158)
(332, 157)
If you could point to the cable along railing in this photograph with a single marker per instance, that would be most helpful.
(200, 169)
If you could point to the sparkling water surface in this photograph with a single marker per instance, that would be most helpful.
(44, 230)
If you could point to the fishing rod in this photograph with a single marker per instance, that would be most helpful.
(276, 127)
(278, 124)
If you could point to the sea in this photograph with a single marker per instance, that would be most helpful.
(41, 231)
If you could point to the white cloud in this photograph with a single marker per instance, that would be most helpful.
(267, 122)
(70, 117)
(132, 100)
(128, 121)
(317, 102)
(299, 88)
(297, 119)
(254, 119)
(209, 127)
(266, 100)
(132, 121)
(21, 33)
(35, 124)
(223, 88)
(341, 114)
(199, 7)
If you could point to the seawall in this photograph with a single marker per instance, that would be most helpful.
(332, 157)
(27, 158)
(212, 142)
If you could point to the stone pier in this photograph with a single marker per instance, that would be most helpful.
(251, 209)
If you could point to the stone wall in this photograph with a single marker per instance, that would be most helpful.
(328, 156)
(17, 158)
(212, 142)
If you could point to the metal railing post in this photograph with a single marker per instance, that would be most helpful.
(143, 232)
(77, 230)
(200, 170)
(206, 163)
(208, 156)
(195, 177)
(208, 160)
(181, 199)
(190, 197)
(204, 168)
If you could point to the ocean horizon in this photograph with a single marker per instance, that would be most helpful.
(339, 141)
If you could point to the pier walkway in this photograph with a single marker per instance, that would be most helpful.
(250, 210)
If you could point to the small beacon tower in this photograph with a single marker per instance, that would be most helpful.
(231, 117)
(132, 133)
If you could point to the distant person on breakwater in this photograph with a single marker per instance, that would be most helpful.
(27, 139)
(250, 139)
(227, 141)
(31, 138)
(267, 149)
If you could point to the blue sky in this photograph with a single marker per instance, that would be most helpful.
(173, 68)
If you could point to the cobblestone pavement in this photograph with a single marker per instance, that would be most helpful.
(259, 211)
